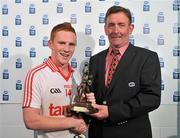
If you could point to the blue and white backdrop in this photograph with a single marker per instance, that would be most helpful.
(26, 24)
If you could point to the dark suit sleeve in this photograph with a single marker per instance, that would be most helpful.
(146, 99)
(93, 69)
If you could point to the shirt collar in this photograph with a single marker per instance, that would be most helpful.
(121, 49)
(54, 67)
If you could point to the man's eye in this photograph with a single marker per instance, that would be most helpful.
(110, 25)
(62, 43)
(72, 44)
(121, 25)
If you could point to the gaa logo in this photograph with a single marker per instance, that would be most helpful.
(55, 90)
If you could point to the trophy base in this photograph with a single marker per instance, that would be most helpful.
(84, 107)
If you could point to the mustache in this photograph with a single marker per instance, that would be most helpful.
(117, 35)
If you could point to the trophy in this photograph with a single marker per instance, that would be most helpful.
(80, 103)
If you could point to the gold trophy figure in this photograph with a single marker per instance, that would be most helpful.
(80, 103)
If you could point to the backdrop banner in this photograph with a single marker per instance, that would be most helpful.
(26, 25)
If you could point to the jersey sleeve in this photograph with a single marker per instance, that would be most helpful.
(32, 90)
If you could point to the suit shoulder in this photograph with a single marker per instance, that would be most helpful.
(99, 54)
(143, 50)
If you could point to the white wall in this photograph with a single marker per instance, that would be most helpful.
(11, 122)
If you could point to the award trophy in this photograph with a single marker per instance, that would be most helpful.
(80, 103)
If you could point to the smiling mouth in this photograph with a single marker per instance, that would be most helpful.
(64, 55)
(115, 36)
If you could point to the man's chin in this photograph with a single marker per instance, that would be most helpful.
(64, 62)
(116, 45)
(116, 41)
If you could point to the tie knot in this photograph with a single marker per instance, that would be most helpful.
(115, 51)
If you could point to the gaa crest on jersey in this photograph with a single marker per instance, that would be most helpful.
(55, 90)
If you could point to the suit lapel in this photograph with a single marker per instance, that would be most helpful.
(125, 62)
(102, 67)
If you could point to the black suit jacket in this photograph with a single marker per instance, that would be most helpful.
(134, 92)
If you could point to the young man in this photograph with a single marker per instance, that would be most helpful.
(127, 90)
(48, 89)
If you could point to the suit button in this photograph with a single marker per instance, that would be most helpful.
(104, 102)
(120, 123)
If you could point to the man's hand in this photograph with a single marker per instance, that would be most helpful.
(102, 112)
(102, 109)
(80, 126)
(91, 97)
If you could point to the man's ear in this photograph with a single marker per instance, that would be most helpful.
(105, 29)
(50, 44)
(131, 27)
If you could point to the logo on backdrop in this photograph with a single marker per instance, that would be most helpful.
(18, 63)
(45, 19)
(32, 9)
(102, 18)
(32, 52)
(162, 85)
(176, 28)
(160, 39)
(45, 41)
(5, 31)
(5, 53)
(88, 29)
(5, 9)
(176, 73)
(176, 51)
(102, 41)
(32, 30)
(160, 17)
(18, 20)
(74, 63)
(17, 1)
(176, 5)
(5, 95)
(18, 85)
(88, 52)
(5, 74)
(146, 29)
(146, 6)
(73, 18)
(87, 7)
(45, 1)
(176, 96)
(59, 8)
(161, 60)
(132, 39)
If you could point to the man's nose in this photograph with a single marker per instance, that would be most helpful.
(116, 29)
(67, 47)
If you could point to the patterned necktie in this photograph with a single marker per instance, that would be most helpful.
(112, 68)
